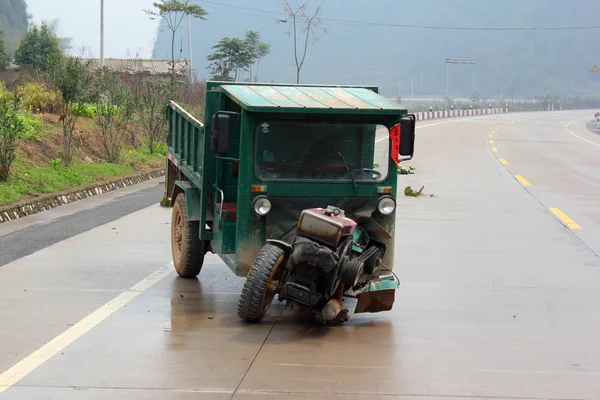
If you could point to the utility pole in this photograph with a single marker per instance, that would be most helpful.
(102, 33)
(189, 21)
(453, 61)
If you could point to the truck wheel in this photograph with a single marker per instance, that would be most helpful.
(186, 246)
(261, 284)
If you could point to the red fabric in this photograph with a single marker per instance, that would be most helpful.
(395, 133)
(229, 211)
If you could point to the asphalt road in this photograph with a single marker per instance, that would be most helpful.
(499, 295)
(33, 238)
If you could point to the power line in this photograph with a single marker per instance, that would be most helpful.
(431, 27)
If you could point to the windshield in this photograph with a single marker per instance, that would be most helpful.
(339, 152)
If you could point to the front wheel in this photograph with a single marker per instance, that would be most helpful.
(261, 284)
(186, 246)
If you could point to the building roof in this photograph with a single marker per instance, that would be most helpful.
(141, 66)
(295, 98)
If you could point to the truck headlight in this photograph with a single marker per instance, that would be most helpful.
(386, 205)
(261, 206)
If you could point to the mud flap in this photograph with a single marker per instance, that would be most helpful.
(378, 295)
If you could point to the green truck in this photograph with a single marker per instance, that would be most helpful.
(294, 188)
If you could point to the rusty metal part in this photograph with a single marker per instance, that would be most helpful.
(373, 302)
(324, 226)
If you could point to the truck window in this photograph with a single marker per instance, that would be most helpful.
(292, 151)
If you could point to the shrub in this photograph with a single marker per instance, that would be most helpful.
(73, 78)
(37, 98)
(152, 117)
(31, 126)
(86, 110)
(114, 114)
(11, 127)
(3, 91)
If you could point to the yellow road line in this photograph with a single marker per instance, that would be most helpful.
(565, 218)
(21, 369)
(503, 161)
(494, 149)
(491, 136)
(523, 181)
(491, 142)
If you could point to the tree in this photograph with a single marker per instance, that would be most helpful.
(4, 56)
(73, 79)
(173, 12)
(37, 47)
(64, 43)
(232, 55)
(151, 112)
(259, 50)
(475, 98)
(115, 112)
(12, 126)
(306, 21)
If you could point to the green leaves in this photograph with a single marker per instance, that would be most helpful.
(173, 12)
(73, 79)
(151, 112)
(235, 55)
(114, 112)
(38, 47)
(165, 7)
(4, 56)
(12, 126)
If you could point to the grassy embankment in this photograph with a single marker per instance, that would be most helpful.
(38, 169)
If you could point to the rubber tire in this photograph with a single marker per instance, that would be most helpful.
(251, 307)
(188, 260)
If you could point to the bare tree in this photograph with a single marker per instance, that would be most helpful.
(305, 21)
(83, 52)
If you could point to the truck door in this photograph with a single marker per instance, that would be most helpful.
(226, 191)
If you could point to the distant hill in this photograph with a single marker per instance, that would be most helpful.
(13, 21)
(518, 63)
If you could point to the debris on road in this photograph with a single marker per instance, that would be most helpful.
(408, 191)
(402, 170)
(165, 202)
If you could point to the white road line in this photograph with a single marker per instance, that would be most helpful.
(577, 120)
(425, 126)
(577, 136)
(18, 371)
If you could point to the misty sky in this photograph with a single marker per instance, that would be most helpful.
(126, 25)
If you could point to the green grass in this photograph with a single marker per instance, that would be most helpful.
(28, 180)
(142, 155)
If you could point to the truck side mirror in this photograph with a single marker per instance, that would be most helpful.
(407, 136)
(220, 131)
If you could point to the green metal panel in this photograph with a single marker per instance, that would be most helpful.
(250, 233)
(192, 200)
(311, 99)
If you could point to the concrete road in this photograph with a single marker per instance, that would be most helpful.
(499, 299)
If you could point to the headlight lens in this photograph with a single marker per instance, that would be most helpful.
(386, 205)
(262, 206)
